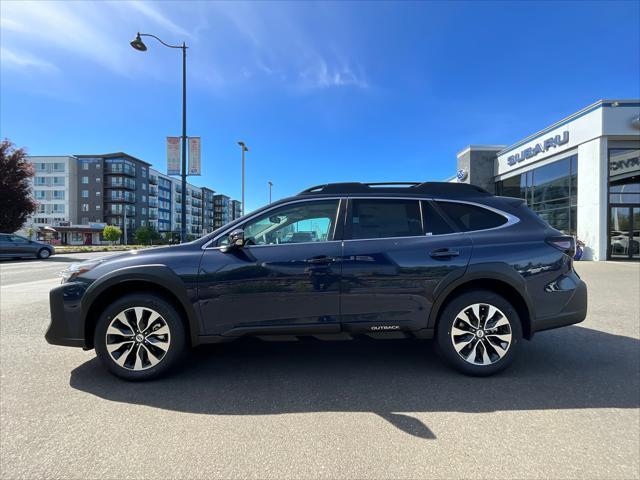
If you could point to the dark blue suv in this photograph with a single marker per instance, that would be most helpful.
(428, 260)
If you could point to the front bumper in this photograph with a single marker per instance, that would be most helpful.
(574, 311)
(67, 322)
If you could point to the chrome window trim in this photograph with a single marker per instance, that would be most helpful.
(511, 219)
(339, 198)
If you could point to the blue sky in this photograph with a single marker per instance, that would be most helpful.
(333, 91)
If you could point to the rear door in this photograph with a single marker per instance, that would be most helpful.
(396, 252)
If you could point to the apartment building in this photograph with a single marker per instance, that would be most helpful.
(208, 209)
(79, 195)
(54, 188)
(222, 213)
(236, 209)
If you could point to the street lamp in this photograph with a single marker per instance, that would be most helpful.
(270, 187)
(139, 45)
(244, 149)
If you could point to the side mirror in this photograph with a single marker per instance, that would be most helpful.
(236, 240)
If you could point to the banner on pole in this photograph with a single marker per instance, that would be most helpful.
(173, 155)
(194, 156)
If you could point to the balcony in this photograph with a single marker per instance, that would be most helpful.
(119, 196)
(121, 182)
(120, 169)
(153, 191)
(153, 179)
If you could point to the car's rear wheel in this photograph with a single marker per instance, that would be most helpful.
(479, 333)
(44, 253)
(139, 337)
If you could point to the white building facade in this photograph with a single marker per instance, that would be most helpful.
(55, 191)
(581, 175)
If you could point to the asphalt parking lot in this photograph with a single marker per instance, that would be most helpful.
(568, 408)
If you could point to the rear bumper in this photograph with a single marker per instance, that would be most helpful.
(67, 325)
(574, 311)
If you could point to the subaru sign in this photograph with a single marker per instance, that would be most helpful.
(461, 175)
(540, 147)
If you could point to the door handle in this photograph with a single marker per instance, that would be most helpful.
(443, 253)
(320, 260)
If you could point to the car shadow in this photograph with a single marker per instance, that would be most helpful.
(571, 368)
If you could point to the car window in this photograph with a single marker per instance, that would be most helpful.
(297, 223)
(434, 224)
(385, 218)
(18, 239)
(471, 217)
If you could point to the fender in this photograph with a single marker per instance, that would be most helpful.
(156, 274)
(481, 271)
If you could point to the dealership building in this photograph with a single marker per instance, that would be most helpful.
(581, 174)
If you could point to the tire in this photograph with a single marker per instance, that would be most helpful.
(44, 253)
(468, 350)
(139, 337)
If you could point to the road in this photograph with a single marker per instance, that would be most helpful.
(568, 408)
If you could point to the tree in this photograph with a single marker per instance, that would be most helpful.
(15, 188)
(111, 233)
(146, 235)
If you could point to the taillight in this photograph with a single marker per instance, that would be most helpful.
(565, 244)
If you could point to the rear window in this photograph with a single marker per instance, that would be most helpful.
(434, 224)
(471, 217)
(385, 218)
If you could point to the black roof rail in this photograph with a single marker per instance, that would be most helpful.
(427, 188)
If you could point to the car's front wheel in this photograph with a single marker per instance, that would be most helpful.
(139, 336)
(44, 253)
(479, 333)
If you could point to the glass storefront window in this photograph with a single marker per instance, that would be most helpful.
(624, 204)
(551, 191)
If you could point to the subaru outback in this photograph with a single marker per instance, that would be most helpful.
(476, 272)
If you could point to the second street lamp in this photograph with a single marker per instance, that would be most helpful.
(244, 149)
(270, 187)
(139, 45)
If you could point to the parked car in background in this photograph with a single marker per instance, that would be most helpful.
(16, 246)
(476, 272)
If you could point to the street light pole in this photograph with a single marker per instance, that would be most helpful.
(244, 149)
(139, 45)
(270, 186)
(183, 219)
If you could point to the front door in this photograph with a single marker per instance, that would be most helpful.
(87, 239)
(284, 280)
(624, 232)
(393, 260)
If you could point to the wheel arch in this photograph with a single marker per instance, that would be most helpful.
(156, 279)
(501, 279)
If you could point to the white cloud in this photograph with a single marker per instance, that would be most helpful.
(13, 59)
(72, 27)
(148, 10)
(322, 75)
(278, 45)
(98, 32)
(231, 43)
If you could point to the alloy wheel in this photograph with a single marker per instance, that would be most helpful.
(481, 334)
(138, 338)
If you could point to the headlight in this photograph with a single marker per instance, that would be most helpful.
(76, 269)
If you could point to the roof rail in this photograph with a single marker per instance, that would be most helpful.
(429, 188)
